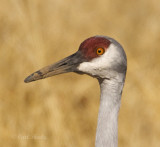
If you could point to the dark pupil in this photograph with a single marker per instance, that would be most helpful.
(99, 51)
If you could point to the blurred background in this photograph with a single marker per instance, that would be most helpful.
(62, 111)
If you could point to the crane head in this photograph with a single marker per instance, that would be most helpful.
(98, 56)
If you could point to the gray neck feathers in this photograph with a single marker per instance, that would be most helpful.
(107, 128)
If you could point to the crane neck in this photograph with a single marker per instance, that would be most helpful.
(110, 100)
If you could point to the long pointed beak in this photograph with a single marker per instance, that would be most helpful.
(68, 64)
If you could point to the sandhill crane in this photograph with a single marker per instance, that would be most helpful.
(101, 57)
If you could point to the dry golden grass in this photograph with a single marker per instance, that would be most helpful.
(62, 111)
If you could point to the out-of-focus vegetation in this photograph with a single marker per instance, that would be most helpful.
(62, 111)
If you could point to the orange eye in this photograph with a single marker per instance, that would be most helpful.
(100, 51)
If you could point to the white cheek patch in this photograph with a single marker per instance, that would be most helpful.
(100, 63)
(86, 67)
